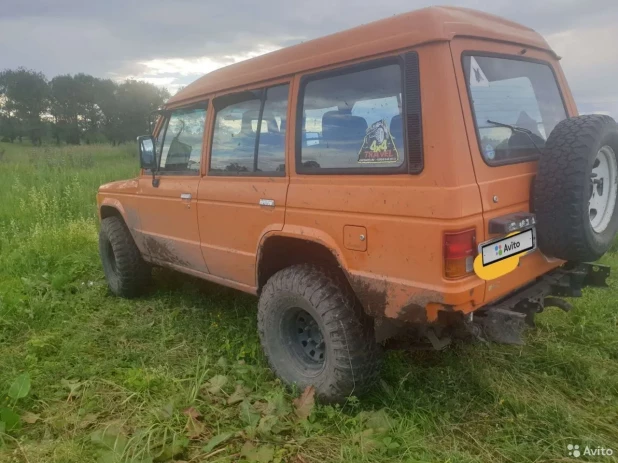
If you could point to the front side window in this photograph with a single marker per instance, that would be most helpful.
(522, 94)
(249, 134)
(181, 150)
(159, 139)
(353, 120)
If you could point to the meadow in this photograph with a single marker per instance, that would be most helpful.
(178, 375)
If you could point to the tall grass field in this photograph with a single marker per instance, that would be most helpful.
(178, 375)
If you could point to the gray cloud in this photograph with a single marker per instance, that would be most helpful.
(111, 38)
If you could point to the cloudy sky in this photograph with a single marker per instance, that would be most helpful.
(172, 42)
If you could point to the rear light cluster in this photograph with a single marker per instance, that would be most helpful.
(459, 253)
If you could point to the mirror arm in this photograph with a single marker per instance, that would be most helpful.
(155, 180)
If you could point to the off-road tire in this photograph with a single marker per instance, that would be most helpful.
(563, 185)
(352, 356)
(126, 272)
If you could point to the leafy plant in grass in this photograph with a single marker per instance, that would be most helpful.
(9, 419)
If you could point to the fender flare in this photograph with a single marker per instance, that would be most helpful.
(301, 233)
(115, 204)
(129, 215)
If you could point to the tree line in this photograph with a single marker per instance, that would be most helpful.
(74, 109)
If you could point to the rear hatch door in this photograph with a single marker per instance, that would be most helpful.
(508, 84)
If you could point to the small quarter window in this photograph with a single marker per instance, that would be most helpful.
(353, 120)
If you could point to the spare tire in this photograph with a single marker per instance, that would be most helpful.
(575, 189)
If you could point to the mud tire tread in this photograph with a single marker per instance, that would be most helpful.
(561, 189)
(132, 274)
(353, 351)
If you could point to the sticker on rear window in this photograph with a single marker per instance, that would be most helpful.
(490, 152)
(477, 76)
(378, 145)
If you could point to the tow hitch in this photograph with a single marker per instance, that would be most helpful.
(504, 321)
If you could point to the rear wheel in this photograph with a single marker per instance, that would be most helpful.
(575, 189)
(314, 332)
(126, 272)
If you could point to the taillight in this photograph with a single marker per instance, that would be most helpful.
(459, 253)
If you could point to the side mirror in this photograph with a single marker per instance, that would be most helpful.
(146, 145)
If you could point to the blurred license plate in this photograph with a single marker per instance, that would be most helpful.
(495, 251)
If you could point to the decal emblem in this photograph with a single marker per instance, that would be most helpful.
(378, 145)
(490, 152)
(477, 76)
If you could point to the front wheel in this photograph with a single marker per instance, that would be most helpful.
(126, 272)
(314, 332)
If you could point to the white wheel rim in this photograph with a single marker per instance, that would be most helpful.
(603, 187)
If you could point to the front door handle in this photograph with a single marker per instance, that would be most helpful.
(267, 202)
(185, 196)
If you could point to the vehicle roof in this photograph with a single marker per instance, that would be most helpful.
(399, 32)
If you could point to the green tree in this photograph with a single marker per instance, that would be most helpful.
(106, 96)
(25, 99)
(64, 109)
(89, 112)
(78, 108)
(136, 101)
(10, 125)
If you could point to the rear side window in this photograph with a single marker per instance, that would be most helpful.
(515, 92)
(352, 120)
(249, 133)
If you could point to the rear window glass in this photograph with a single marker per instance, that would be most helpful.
(353, 120)
(514, 92)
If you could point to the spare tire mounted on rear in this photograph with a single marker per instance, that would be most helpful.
(575, 189)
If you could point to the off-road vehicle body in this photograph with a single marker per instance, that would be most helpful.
(424, 173)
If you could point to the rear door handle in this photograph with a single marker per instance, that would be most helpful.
(185, 196)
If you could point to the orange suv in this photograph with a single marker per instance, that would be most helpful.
(427, 174)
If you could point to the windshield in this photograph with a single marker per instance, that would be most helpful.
(514, 92)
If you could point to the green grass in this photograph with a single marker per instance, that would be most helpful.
(110, 378)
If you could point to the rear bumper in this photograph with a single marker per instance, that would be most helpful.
(398, 302)
(565, 281)
(504, 320)
(501, 320)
